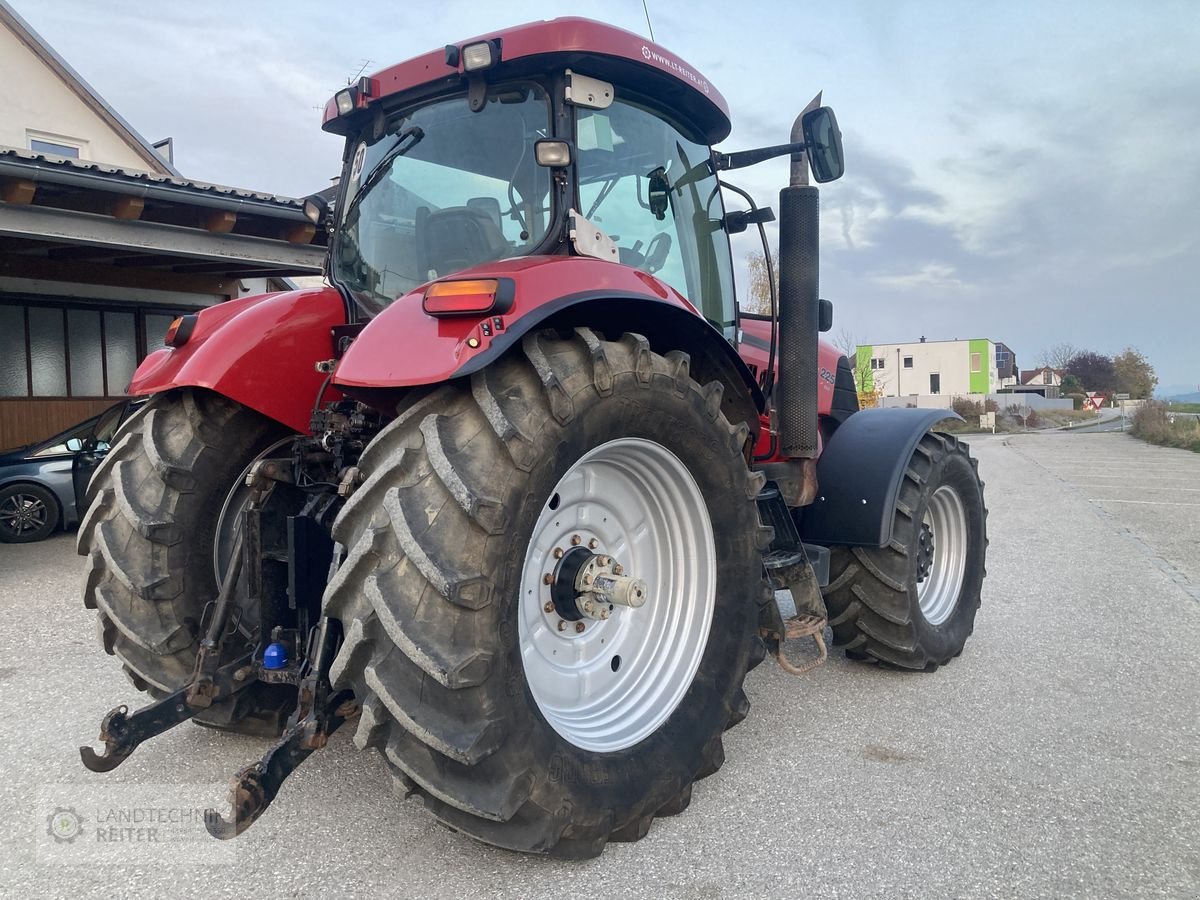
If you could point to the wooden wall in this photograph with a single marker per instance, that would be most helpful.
(26, 421)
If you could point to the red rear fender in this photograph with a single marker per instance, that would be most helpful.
(403, 346)
(260, 351)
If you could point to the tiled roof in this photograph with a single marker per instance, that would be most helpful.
(83, 171)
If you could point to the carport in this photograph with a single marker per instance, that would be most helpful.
(95, 261)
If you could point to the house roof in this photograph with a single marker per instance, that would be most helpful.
(88, 94)
(39, 167)
(1027, 375)
(141, 229)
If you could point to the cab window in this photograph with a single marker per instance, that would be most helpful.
(650, 188)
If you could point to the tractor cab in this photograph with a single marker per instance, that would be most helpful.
(537, 155)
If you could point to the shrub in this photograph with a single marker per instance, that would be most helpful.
(1152, 423)
(966, 407)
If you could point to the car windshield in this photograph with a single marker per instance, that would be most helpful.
(95, 433)
(442, 189)
(57, 445)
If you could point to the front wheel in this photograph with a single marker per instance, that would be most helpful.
(508, 668)
(28, 512)
(912, 603)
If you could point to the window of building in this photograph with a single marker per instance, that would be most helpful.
(908, 363)
(976, 362)
(877, 362)
(69, 351)
(935, 383)
(57, 145)
(1047, 377)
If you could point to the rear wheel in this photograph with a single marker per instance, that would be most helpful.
(524, 716)
(28, 512)
(912, 604)
(160, 512)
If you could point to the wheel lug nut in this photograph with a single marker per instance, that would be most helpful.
(575, 540)
(549, 607)
(562, 626)
(593, 544)
(579, 628)
(547, 578)
(618, 569)
(558, 553)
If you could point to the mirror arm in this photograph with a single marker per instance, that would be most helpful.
(743, 158)
(800, 158)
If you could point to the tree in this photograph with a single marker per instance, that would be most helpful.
(1059, 356)
(1094, 370)
(1070, 385)
(758, 301)
(1134, 374)
(867, 381)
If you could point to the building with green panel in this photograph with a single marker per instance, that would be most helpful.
(928, 367)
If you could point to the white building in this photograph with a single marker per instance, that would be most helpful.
(928, 367)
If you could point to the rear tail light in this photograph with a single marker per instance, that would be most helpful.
(475, 297)
(179, 331)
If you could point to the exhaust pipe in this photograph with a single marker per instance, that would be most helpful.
(799, 245)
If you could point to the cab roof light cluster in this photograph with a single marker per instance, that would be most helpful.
(469, 297)
(348, 99)
(474, 57)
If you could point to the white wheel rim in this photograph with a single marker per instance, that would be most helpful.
(941, 555)
(613, 684)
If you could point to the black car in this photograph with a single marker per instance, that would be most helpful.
(42, 486)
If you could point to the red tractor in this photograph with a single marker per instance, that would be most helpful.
(515, 493)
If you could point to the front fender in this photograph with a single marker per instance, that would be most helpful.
(259, 351)
(859, 475)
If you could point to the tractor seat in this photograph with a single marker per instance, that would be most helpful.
(455, 238)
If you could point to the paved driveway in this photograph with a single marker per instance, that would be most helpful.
(1059, 756)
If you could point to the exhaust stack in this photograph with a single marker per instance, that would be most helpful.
(799, 245)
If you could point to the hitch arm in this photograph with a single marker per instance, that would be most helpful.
(320, 713)
(123, 733)
(257, 784)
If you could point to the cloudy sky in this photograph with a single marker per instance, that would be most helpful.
(1023, 171)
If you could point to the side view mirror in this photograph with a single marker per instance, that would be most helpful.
(824, 314)
(75, 445)
(823, 142)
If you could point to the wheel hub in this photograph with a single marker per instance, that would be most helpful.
(591, 585)
(924, 552)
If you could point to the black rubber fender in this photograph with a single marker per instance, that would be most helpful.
(859, 475)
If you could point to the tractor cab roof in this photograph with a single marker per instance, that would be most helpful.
(591, 48)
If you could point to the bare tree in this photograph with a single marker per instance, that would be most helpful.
(1059, 355)
(758, 299)
(867, 381)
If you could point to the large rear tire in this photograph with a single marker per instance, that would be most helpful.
(149, 536)
(516, 731)
(912, 604)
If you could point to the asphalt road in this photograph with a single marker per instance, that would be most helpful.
(1059, 756)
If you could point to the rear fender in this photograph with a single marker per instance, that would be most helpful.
(260, 351)
(859, 475)
(404, 347)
